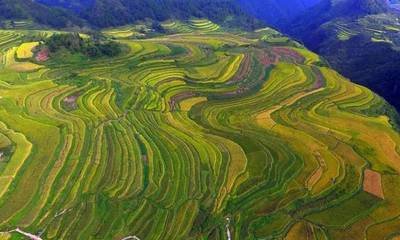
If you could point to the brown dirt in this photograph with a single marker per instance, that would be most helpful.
(244, 70)
(373, 183)
(267, 58)
(288, 54)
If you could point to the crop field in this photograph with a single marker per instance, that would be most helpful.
(343, 32)
(25, 50)
(194, 25)
(379, 28)
(125, 31)
(193, 136)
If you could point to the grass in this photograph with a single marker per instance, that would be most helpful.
(181, 132)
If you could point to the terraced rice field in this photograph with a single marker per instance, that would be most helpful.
(380, 28)
(194, 25)
(123, 32)
(344, 32)
(194, 136)
(25, 50)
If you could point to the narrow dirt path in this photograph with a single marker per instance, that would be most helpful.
(26, 234)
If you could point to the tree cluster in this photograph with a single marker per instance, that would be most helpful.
(90, 47)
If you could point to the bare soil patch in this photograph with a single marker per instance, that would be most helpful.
(287, 54)
(373, 183)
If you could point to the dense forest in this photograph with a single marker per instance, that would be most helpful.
(107, 13)
(27, 9)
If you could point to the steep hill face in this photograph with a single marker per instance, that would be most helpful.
(105, 13)
(300, 17)
(28, 9)
(367, 6)
(275, 12)
(327, 10)
(360, 38)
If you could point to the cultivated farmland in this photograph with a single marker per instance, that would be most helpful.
(193, 136)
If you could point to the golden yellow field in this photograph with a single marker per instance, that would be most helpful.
(25, 50)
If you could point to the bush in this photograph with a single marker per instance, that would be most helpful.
(74, 43)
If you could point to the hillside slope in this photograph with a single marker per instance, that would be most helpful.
(28, 9)
(328, 10)
(362, 42)
(358, 37)
(192, 136)
(106, 13)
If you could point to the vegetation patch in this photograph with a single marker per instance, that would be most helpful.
(75, 44)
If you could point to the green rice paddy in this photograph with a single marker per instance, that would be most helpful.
(193, 25)
(193, 136)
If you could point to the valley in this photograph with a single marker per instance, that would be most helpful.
(197, 133)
